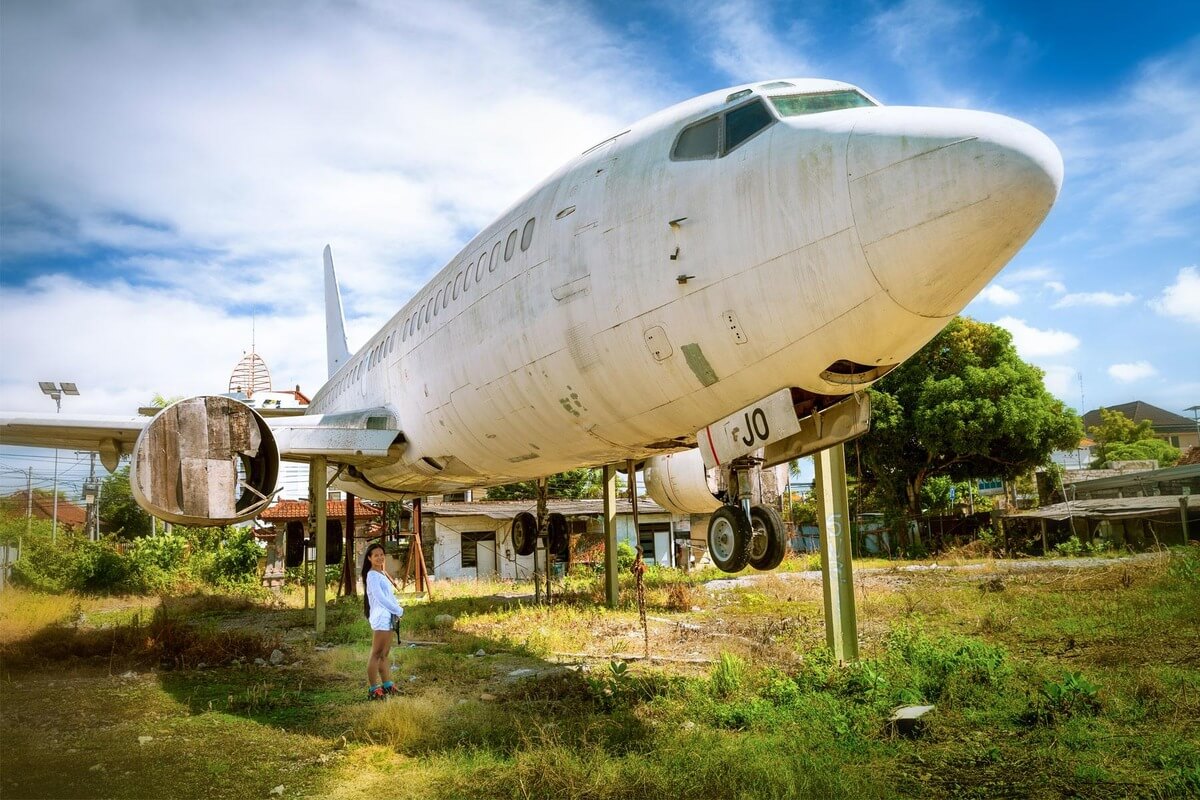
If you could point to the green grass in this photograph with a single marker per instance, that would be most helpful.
(1047, 684)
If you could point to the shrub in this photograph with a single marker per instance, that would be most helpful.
(727, 676)
(236, 560)
(625, 556)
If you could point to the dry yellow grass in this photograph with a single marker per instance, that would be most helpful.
(23, 613)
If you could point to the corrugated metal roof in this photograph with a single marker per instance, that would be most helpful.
(508, 509)
(1112, 508)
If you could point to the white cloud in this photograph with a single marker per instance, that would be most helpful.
(1034, 343)
(1097, 299)
(258, 136)
(1132, 157)
(1062, 382)
(226, 145)
(995, 293)
(1127, 373)
(1058, 287)
(1182, 298)
(745, 43)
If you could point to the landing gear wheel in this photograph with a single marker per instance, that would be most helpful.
(768, 542)
(556, 525)
(729, 539)
(524, 534)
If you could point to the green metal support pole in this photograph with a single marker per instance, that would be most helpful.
(317, 480)
(837, 571)
(611, 585)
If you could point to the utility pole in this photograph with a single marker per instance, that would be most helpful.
(55, 392)
(91, 496)
(28, 501)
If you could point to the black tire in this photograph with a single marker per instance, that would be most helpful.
(729, 539)
(524, 534)
(556, 526)
(768, 538)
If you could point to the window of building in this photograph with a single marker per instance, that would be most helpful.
(527, 235)
(470, 546)
(698, 141)
(511, 245)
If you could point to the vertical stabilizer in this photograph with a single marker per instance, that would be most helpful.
(335, 322)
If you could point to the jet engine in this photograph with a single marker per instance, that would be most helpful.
(205, 461)
(679, 483)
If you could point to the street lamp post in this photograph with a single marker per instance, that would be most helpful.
(55, 392)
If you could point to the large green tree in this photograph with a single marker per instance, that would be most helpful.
(965, 407)
(570, 485)
(1118, 438)
(119, 512)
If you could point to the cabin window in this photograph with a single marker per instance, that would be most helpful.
(428, 309)
(457, 282)
(698, 141)
(511, 245)
(744, 122)
(446, 296)
(479, 267)
(495, 262)
(797, 104)
(527, 235)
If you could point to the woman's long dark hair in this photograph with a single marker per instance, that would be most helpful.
(366, 567)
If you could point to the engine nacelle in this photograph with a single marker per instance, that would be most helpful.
(205, 461)
(679, 483)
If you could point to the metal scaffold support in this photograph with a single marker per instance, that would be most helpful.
(837, 571)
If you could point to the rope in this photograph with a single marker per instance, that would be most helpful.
(639, 570)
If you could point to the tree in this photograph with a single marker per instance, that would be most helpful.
(570, 485)
(966, 407)
(119, 511)
(1118, 438)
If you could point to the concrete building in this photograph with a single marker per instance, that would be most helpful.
(474, 540)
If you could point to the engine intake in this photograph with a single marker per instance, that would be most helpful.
(679, 483)
(205, 461)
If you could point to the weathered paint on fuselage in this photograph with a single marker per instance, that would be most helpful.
(852, 234)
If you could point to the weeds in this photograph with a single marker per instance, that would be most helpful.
(1063, 699)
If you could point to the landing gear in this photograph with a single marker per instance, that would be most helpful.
(741, 534)
(729, 539)
(768, 542)
(524, 533)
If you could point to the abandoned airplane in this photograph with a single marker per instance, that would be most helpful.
(709, 290)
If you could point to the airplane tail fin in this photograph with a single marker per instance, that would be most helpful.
(335, 321)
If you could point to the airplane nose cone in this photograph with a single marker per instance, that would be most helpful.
(942, 199)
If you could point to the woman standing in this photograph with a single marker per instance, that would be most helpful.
(379, 606)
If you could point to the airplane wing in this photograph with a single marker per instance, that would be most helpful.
(342, 438)
(110, 436)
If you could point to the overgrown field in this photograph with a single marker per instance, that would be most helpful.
(1048, 683)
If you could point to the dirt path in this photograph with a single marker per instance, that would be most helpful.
(990, 568)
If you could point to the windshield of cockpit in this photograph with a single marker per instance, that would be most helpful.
(794, 105)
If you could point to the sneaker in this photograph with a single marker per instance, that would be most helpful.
(376, 694)
(391, 690)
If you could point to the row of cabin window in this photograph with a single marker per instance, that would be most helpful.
(460, 284)
(488, 261)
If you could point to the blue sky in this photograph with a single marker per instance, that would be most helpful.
(169, 173)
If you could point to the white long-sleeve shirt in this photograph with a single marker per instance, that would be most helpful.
(382, 601)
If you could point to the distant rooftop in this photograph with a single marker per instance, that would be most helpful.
(1163, 421)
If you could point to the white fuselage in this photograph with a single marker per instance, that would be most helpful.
(643, 297)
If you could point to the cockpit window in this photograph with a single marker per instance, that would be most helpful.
(745, 121)
(776, 85)
(717, 136)
(699, 140)
(797, 104)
